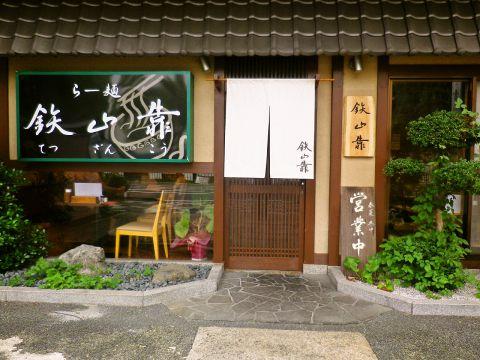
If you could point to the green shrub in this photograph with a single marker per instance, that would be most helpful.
(430, 259)
(57, 274)
(21, 242)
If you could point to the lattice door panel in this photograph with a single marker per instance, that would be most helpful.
(264, 223)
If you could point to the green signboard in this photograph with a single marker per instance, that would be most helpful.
(105, 116)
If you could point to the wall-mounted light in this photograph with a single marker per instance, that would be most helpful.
(205, 63)
(356, 63)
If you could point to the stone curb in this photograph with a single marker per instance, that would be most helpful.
(399, 302)
(117, 297)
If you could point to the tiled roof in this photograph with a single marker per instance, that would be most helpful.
(240, 27)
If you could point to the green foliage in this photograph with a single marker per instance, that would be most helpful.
(430, 258)
(148, 271)
(426, 260)
(21, 242)
(16, 281)
(386, 285)
(404, 167)
(465, 111)
(208, 212)
(443, 130)
(57, 274)
(351, 263)
(457, 177)
(202, 219)
(472, 279)
(182, 226)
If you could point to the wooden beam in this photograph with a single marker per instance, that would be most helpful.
(335, 162)
(310, 185)
(382, 150)
(219, 146)
(4, 149)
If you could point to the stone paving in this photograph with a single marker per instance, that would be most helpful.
(277, 298)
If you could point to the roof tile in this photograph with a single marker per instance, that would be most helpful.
(420, 44)
(240, 27)
(396, 45)
(467, 44)
(443, 44)
(63, 45)
(374, 45)
(9, 12)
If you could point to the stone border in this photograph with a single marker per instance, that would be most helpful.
(447, 307)
(162, 295)
(314, 269)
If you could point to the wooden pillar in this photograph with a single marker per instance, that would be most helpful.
(309, 244)
(382, 151)
(4, 141)
(219, 149)
(335, 162)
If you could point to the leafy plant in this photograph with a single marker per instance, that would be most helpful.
(195, 221)
(386, 285)
(182, 226)
(430, 258)
(148, 271)
(21, 242)
(57, 274)
(351, 263)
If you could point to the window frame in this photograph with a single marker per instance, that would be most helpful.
(387, 74)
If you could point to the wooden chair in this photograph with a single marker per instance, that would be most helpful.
(166, 217)
(145, 229)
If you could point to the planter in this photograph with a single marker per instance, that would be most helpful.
(196, 243)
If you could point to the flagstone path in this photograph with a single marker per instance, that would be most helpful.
(277, 298)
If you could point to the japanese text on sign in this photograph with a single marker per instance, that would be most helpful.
(104, 116)
(359, 126)
(358, 222)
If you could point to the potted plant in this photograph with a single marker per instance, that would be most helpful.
(195, 229)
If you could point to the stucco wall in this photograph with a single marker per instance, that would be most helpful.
(322, 172)
(203, 89)
(359, 171)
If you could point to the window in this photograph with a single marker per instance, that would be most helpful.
(87, 207)
(412, 99)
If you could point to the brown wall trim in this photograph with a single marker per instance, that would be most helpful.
(310, 185)
(4, 151)
(382, 148)
(219, 147)
(320, 259)
(195, 167)
(335, 162)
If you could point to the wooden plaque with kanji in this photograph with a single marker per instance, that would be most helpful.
(357, 223)
(359, 139)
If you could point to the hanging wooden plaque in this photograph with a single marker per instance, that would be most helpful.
(359, 139)
(357, 223)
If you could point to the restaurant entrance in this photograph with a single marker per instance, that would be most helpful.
(264, 223)
(264, 218)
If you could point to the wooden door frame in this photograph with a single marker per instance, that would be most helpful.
(336, 137)
(387, 72)
(219, 248)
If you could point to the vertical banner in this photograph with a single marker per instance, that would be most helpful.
(292, 128)
(357, 223)
(246, 129)
(359, 138)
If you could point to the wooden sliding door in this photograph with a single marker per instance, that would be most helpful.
(264, 223)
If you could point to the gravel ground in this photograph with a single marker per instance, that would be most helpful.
(135, 276)
(155, 333)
